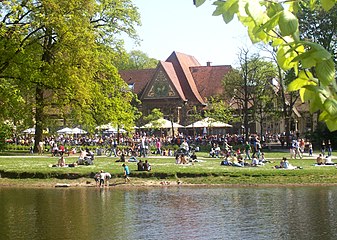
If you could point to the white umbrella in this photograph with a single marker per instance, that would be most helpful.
(105, 127)
(208, 122)
(77, 130)
(29, 131)
(162, 123)
(108, 128)
(65, 130)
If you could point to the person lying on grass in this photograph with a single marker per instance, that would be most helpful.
(284, 164)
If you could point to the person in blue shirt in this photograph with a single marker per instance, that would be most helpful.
(126, 173)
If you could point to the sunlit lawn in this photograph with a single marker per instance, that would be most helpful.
(208, 170)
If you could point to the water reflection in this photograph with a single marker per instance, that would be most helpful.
(169, 213)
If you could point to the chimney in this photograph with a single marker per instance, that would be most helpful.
(208, 64)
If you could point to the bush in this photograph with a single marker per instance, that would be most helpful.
(5, 133)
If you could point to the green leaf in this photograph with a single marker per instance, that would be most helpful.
(308, 62)
(306, 94)
(327, 4)
(255, 11)
(275, 8)
(228, 9)
(285, 55)
(269, 25)
(288, 23)
(297, 84)
(220, 9)
(326, 71)
(323, 116)
(321, 54)
(331, 124)
(198, 3)
(317, 103)
(330, 105)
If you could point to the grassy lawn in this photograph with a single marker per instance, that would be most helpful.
(208, 171)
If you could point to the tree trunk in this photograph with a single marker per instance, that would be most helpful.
(38, 117)
(39, 111)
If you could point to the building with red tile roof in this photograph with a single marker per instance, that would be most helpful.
(176, 85)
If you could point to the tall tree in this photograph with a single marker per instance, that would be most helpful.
(319, 26)
(138, 60)
(56, 52)
(219, 110)
(245, 87)
(275, 23)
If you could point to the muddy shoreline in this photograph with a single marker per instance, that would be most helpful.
(134, 184)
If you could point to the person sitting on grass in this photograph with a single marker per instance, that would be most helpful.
(61, 161)
(287, 165)
(235, 161)
(193, 156)
(212, 152)
(328, 161)
(226, 161)
(255, 161)
(140, 166)
(83, 154)
(147, 166)
(122, 158)
(281, 165)
(320, 160)
(183, 159)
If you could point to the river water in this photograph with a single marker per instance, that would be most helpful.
(169, 213)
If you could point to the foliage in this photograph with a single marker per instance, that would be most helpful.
(153, 118)
(138, 60)
(275, 23)
(219, 110)
(5, 133)
(250, 88)
(60, 57)
(319, 26)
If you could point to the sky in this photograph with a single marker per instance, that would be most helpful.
(177, 25)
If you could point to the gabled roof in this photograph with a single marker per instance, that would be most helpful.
(171, 73)
(182, 64)
(191, 81)
(138, 77)
(208, 79)
(163, 84)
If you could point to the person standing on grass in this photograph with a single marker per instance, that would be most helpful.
(310, 149)
(126, 173)
(329, 148)
(247, 150)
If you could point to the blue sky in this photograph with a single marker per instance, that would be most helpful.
(177, 25)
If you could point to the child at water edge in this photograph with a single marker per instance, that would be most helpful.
(97, 178)
(126, 173)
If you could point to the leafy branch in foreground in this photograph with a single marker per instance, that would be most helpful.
(276, 23)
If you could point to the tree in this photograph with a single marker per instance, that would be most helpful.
(319, 26)
(275, 23)
(247, 87)
(194, 116)
(138, 60)
(219, 110)
(57, 54)
(153, 117)
(5, 133)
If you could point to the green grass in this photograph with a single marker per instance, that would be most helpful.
(207, 172)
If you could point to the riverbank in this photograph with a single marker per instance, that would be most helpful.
(36, 171)
(136, 184)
